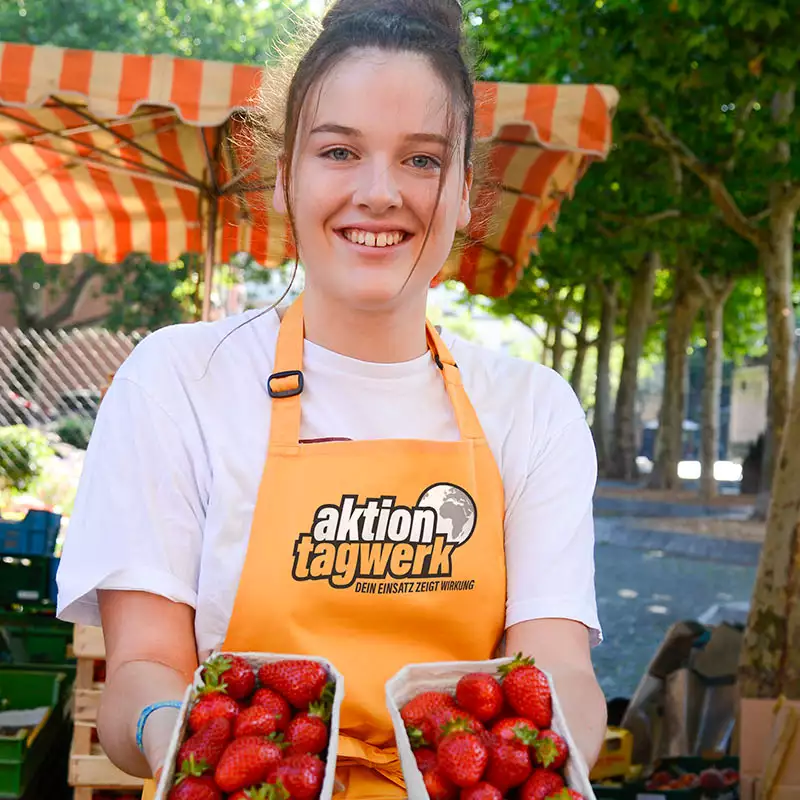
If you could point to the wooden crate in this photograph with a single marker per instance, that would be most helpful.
(90, 770)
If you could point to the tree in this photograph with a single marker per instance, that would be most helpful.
(240, 31)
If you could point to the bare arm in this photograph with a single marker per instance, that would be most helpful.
(151, 655)
(561, 647)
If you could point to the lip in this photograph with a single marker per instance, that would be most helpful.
(373, 227)
(373, 251)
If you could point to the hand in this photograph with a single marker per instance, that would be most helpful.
(157, 737)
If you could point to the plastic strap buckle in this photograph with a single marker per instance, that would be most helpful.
(286, 392)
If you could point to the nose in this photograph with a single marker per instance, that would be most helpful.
(377, 188)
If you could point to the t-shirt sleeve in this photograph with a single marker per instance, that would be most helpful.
(550, 524)
(138, 518)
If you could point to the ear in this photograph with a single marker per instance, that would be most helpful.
(278, 194)
(464, 211)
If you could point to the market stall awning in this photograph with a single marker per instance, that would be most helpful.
(109, 153)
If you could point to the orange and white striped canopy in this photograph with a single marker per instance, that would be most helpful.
(109, 153)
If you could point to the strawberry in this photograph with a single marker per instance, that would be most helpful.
(433, 725)
(566, 794)
(526, 688)
(481, 791)
(438, 786)
(417, 709)
(246, 761)
(262, 792)
(255, 721)
(550, 750)
(515, 730)
(276, 704)
(541, 784)
(481, 695)
(211, 705)
(509, 766)
(307, 733)
(426, 758)
(461, 756)
(205, 748)
(238, 678)
(300, 681)
(300, 775)
(191, 787)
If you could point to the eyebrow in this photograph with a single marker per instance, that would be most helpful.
(345, 130)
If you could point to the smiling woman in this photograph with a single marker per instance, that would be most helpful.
(396, 456)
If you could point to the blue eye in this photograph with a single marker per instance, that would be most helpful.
(424, 162)
(337, 154)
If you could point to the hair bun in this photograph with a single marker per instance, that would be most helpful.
(447, 14)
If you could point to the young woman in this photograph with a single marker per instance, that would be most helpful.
(219, 446)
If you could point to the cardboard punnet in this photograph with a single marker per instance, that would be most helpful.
(762, 723)
(443, 676)
(256, 660)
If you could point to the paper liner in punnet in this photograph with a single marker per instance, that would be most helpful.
(256, 660)
(443, 676)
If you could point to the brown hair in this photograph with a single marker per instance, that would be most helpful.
(432, 28)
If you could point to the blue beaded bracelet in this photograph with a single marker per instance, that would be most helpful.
(143, 717)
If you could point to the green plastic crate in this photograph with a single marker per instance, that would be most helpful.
(23, 754)
(24, 580)
(32, 638)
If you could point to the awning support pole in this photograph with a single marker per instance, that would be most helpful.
(211, 241)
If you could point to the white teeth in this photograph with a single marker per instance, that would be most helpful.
(373, 240)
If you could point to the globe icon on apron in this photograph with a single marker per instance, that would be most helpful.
(455, 511)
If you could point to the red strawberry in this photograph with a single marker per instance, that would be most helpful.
(461, 756)
(205, 748)
(299, 681)
(527, 691)
(433, 725)
(255, 721)
(193, 788)
(307, 733)
(515, 730)
(426, 759)
(541, 784)
(438, 786)
(550, 750)
(212, 705)
(566, 794)
(262, 792)
(246, 762)
(417, 709)
(509, 766)
(276, 704)
(481, 695)
(232, 672)
(300, 775)
(481, 791)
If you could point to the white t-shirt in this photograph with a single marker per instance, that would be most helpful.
(171, 475)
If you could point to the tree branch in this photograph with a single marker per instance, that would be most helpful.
(666, 140)
(67, 307)
(670, 213)
(738, 133)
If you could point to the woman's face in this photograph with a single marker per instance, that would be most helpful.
(368, 157)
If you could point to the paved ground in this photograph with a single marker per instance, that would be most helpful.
(641, 592)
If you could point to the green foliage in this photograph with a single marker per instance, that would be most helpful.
(239, 30)
(23, 452)
(75, 431)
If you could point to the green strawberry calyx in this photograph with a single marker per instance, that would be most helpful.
(212, 684)
(546, 751)
(416, 737)
(278, 791)
(519, 661)
(263, 792)
(191, 768)
(528, 735)
(323, 708)
(279, 740)
(562, 794)
(457, 725)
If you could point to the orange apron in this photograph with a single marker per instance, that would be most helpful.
(374, 555)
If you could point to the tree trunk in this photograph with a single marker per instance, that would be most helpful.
(558, 346)
(601, 427)
(717, 290)
(638, 320)
(686, 304)
(770, 659)
(775, 258)
(581, 342)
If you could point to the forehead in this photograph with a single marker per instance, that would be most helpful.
(379, 92)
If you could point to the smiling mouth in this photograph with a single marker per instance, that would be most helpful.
(377, 240)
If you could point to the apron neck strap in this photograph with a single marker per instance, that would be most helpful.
(285, 385)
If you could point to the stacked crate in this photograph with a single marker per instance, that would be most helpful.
(91, 773)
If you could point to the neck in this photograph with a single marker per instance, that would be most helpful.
(386, 336)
